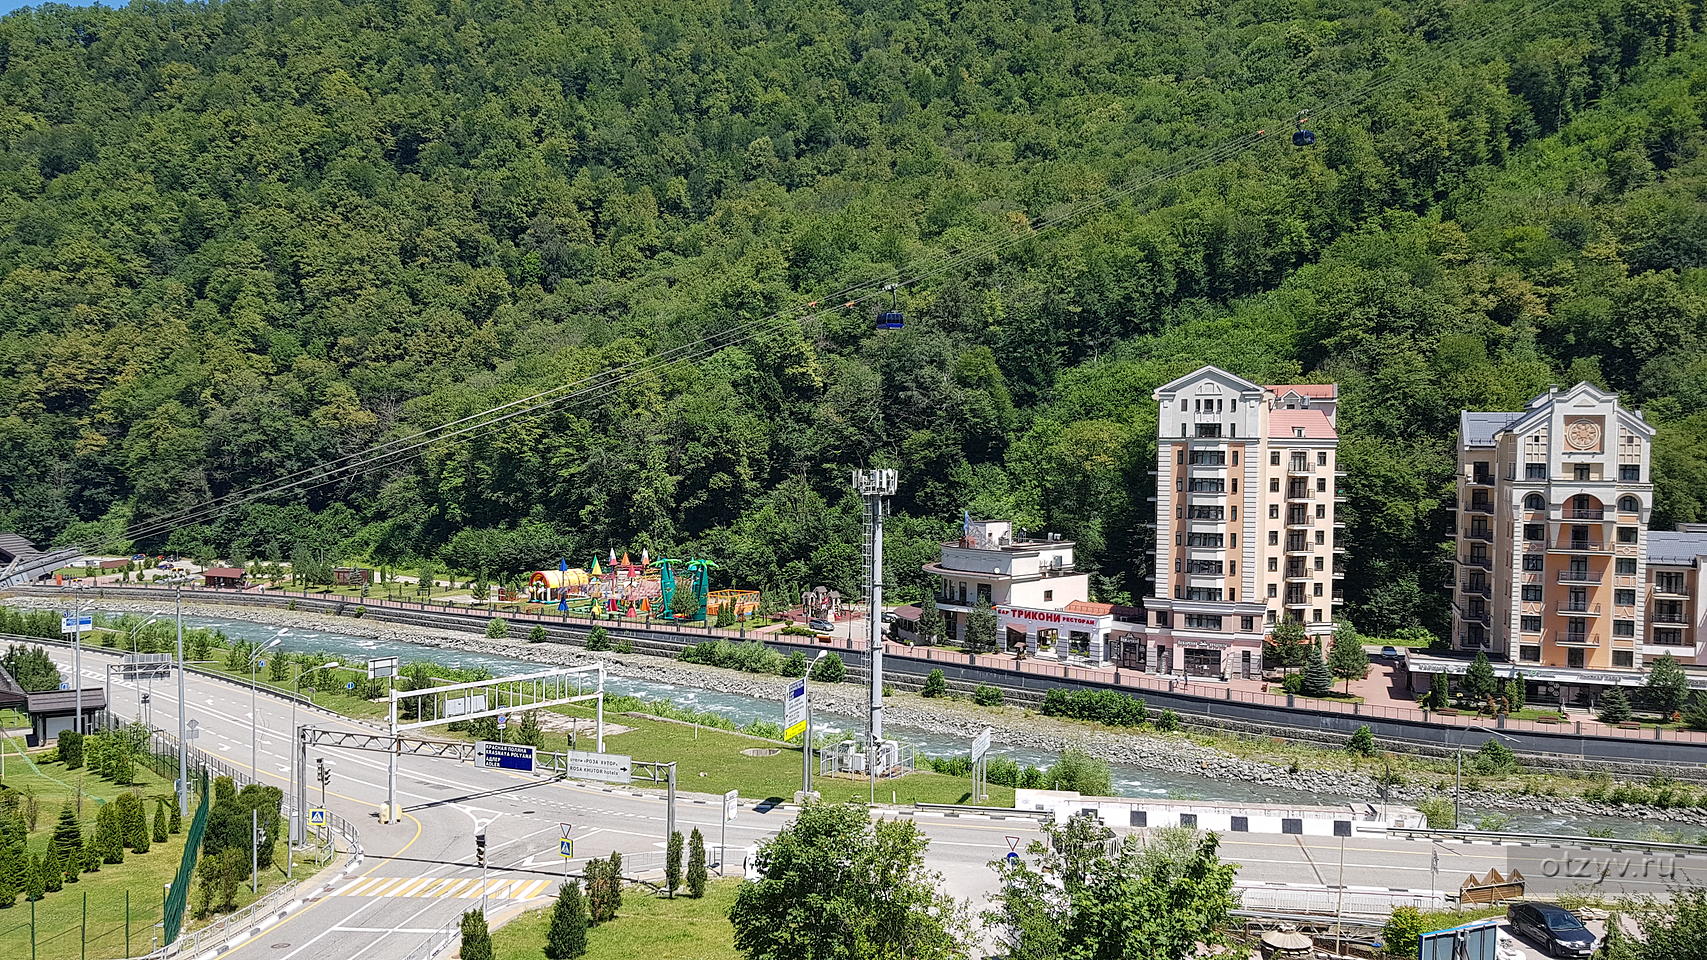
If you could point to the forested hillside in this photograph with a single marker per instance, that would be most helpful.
(241, 238)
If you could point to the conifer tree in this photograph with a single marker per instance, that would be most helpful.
(160, 816)
(673, 865)
(476, 938)
(567, 936)
(696, 865)
(52, 870)
(34, 885)
(1318, 682)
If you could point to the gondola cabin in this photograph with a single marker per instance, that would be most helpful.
(890, 320)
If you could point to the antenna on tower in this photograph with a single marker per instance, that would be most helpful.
(875, 487)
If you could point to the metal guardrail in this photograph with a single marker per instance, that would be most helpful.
(438, 942)
(1606, 843)
(972, 808)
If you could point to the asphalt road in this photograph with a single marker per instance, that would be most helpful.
(420, 873)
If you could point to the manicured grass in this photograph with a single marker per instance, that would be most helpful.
(712, 761)
(59, 929)
(648, 926)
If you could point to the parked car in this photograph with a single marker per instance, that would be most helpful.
(822, 626)
(1554, 929)
(888, 616)
(1390, 653)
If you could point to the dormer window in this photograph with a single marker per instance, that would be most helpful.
(1298, 432)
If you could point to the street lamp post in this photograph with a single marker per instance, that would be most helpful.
(1458, 785)
(299, 821)
(183, 742)
(130, 635)
(254, 716)
(806, 743)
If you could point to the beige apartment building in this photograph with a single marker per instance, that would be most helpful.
(1246, 532)
(1558, 574)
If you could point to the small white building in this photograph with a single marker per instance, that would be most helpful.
(1042, 603)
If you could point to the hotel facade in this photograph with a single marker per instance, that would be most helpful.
(1557, 573)
(1246, 536)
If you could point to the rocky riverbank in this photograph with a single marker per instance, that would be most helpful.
(1013, 726)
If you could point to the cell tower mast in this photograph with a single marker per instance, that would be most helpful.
(875, 487)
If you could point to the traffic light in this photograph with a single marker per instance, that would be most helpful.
(480, 849)
(323, 771)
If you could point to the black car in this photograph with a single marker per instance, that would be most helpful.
(1554, 929)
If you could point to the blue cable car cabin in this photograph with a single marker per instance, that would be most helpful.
(890, 320)
(1303, 138)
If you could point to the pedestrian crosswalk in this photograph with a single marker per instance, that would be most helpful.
(464, 888)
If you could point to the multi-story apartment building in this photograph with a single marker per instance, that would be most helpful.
(1553, 506)
(1246, 491)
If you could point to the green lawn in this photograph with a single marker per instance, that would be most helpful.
(648, 926)
(712, 761)
(59, 916)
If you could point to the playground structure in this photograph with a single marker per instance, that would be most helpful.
(822, 603)
(665, 588)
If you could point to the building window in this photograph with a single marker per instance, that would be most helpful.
(1321, 458)
(1532, 593)
(1274, 461)
(1272, 593)
(1208, 513)
(1629, 505)
(1535, 501)
(1574, 658)
(1534, 531)
(1534, 562)
(1208, 485)
(1623, 628)
(1670, 582)
(1316, 590)
(1318, 563)
(1180, 455)
(1048, 595)
(1203, 594)
(1235, 458)
(1668, 636)
(1247, 624)
(1321, 511)
(1273, 564)
(1208, 458)
(1531, 624)
(1530, 652)
(1627, 534)
(1321, 484)
(1235, 484)
(1274, 538)
(1202, 621)
(1315, 616)
(1626, 566)
(1208, 430)
(1630, 473)
(1582, 472)
(1623, 658)
(1535, 471)
(1624, 598)
(1203, 540)
(1321, 538)
(1233, 540)
(1274, 511)
(1204, 568)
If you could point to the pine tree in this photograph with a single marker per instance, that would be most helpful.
(160, 817)
(1362, 742)
(1347, 659)
(109, 834)
(1318, 682)
(1615, 706)
(91, 855)
(135, 822)
(1667, 687)
(1695, 712)
(10, 876)
(930, 621)
(67, 832)
(696, 864)
(935, 685)
(176, 824)
(34, 884)
(476, 939)
(673, 865)
(567, 936)
(613, 880)
(1479, 680)
(1516, 693)
(52, 870)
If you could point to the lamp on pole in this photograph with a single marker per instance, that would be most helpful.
(300, 818)
(1458, 785)
(129, 635)
(183, 742)
(254, 717)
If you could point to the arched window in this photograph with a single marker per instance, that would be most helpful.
(1534, 502)
(1629, 505)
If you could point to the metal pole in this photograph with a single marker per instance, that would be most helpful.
(77, 663)
(126, 922)
(254, 719)
(183, 743)
(723, 840)
(806, 744)
(1339, 906)
(391, 771)
(83, 935)
(670, 816)
(599, 709)
(255, 851)
(1458, 786)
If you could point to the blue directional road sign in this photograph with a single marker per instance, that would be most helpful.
(503, 756)
(75, 624)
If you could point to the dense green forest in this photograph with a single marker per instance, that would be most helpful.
(241, 238)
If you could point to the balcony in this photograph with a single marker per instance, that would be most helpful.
(1339, 597)
(1467, 642)
(1579, 576)
(1671, 619)
(1467, 586)
(1664, 588)
(1476, 614)
(1579, 640)
(1300, 495)
(1586, 513)
(1578, 609)
(1480, 506)
(1483, 534)
(1482, 479)
(1298, 466)
(1581, 545)
(1486, 563)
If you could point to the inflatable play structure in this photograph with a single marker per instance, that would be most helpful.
(665, 589)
